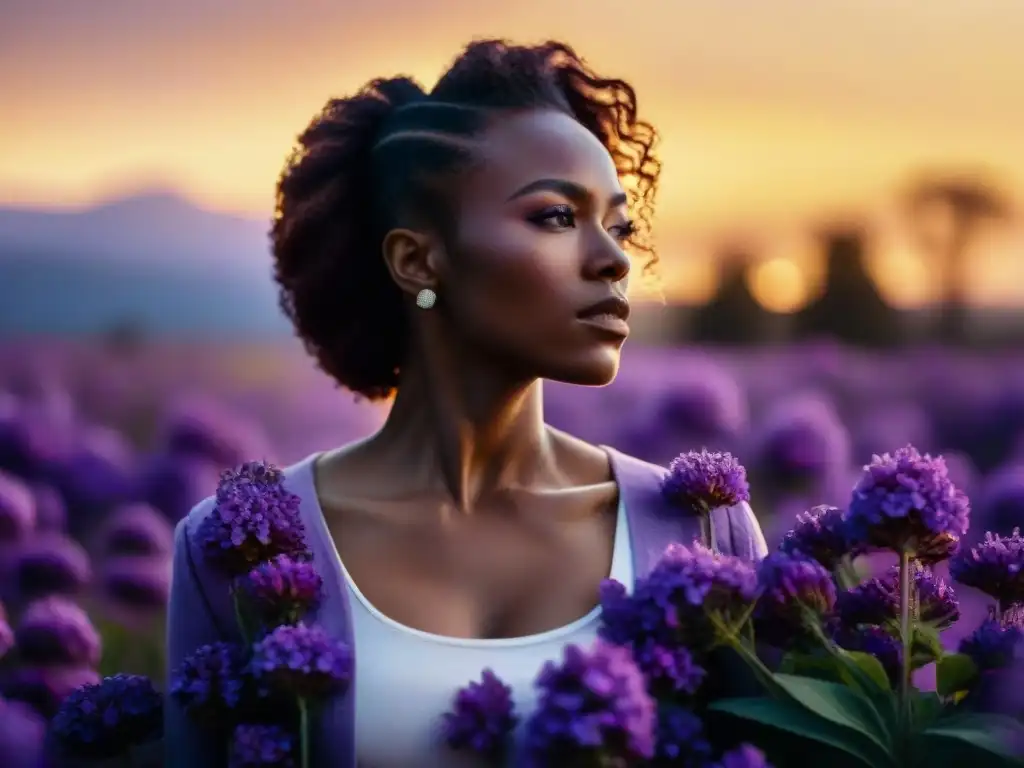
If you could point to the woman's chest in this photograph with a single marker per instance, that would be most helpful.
(487, 581)
(405, 683)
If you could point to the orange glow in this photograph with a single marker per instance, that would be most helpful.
(206, 98)
(779, 285)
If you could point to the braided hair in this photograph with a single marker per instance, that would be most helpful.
(368, 162)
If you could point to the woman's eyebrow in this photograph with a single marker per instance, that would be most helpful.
(570, 189)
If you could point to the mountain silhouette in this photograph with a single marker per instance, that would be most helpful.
(154, 260)
(149, 227)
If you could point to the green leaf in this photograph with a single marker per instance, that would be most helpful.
(871, 667)
(840, 705)
(847, 574)
(803, 723)
(981, 738)
(927, 708)
(954, 672)
(812, 665)
(927, 643)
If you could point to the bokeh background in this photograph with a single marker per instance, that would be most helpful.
(840, 230)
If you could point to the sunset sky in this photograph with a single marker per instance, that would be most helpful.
(772, 112)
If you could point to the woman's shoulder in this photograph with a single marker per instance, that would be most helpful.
(737, 530)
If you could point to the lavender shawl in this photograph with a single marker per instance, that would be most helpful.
(200, 610)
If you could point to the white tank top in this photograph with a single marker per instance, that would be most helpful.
(406, 679)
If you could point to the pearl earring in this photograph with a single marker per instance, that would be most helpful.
(425, 299)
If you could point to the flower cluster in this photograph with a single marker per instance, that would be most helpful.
(593, 704)
(103, 719)
(255, 536)
(254, 519)
(797, 594)
(704, 480)
(210, 683)
(302, 660)
(906, 502)
(482, 717)
(993, 645)
(256, 746)
(877, 600)
(996, 567)
(639, 697)
(283, 589)
(821, 534)
(56, 631)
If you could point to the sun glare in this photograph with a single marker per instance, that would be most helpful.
(779, 285)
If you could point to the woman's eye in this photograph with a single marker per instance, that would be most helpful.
(623, 231)
(561, 217)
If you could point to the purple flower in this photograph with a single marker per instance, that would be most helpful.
(677, 604)
(17, 510)
(97, 475)
(255, 518)
(303, 660)
(207, 430)
(705, 480)
(44, 688)
(173, 483)
(1001, 502)
(681, 742)
(992, 645)
(6, 633)
(593, 709)
(51, 512)
(105, 719)
(56, 631)
(482, 717)
(877, 600)
(874, 601)
(283, 589)
(996, 567)
(22, 735)
(211, 681)
(819, 533)
(137, 583)
(800, 443)
(51, 564)
(704, 402)
(905, 500)
(667, 664)
(876, 642)
(137, 529)
(795, 591)
(253, 746)
(744, 756)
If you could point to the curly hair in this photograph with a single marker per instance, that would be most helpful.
(371, 160)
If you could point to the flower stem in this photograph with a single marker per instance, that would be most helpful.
(303, 733)
(906, 635)
(236, 602)
(732, 638)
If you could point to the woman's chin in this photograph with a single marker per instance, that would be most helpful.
(597, 368)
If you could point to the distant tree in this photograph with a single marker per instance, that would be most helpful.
(960, 204)
(850, 308)
(733, 315)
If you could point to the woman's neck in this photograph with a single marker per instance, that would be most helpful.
(467, 431)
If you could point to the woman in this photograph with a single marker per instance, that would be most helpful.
(452, 249)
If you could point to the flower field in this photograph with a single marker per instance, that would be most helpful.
(103, 450)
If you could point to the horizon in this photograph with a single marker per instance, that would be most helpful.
(772, 118)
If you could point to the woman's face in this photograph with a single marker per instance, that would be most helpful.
(538, 271)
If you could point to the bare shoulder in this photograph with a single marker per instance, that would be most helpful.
(580, 462)
(347, 475)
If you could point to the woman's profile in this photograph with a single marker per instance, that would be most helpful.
(452, 249)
